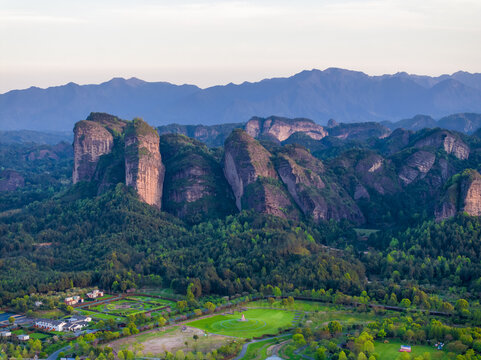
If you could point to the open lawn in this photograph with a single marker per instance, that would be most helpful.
(49, 314)
(96, 315)
(156, 301)
(390, 351)
(259, 322)
(298, 305)
(39, 336)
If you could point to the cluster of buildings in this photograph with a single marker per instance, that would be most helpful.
(95, 294)
(74, 300)
(21, 337)
(75, 323)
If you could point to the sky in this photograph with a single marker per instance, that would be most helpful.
(208, 42)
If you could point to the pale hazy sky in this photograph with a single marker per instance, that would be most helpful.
(208, 42)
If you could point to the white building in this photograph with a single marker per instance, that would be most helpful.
(23, 337)
(95, 294)
(5, 334)
(50, 325)
(76, 318)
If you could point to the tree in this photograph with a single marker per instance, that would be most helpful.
(210, 307)
(69, 309)
(299, 340)
(181, 305)
(361, 356)
(405, 303)
(179, 355)
(11, 320)
(342, 356)
(334, 327)
(321, 353)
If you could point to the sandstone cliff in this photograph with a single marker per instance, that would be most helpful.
(358, 131)
(254, 181)
(211, 135)
(447, 140)
(282, 128)
(91, 141)
(463, 193)
(195, 188)
(300, 172)
(144, 170)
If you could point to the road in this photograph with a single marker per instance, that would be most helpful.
(244, 347)
(54, 355)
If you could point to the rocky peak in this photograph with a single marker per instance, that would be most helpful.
(144, 170)
(450, 142)
(359, 131)
(281, 129)
(245, 159)
(91, 141)
(300, 172)
(110, 122)
(463, 193)
(332, 123)
(195, 188)
(416, 166)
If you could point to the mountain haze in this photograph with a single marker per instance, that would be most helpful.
(347, 96)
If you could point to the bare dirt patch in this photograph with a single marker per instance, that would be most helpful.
(157, 341)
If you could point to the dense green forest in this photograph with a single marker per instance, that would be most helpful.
(54, 236)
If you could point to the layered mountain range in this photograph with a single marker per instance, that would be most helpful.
(290, 168)
(348, 96)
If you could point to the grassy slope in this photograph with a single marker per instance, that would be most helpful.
(259, 322)
(390, 351)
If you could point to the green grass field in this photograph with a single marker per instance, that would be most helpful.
(155, 301)
(96, 315)
(39, 336)
(259, 322)
(390, 351)
(298, 305)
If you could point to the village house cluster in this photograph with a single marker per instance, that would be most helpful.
(74, 300)
(74, 323)
(21, 337)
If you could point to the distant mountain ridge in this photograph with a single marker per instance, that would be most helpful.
(348, 96)
(466, 123)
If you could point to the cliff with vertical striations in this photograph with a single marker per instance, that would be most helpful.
(91, 141)
(144, 170)
(195, 188)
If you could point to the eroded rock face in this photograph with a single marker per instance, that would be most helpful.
(91, 141)
(471, 195)
(245, 160)
(144, 170)
(359, 131)
(282, 128)
(450, 142)
(300, 172)
(417, 166)
(11, 180)
(195, 188)
(464, 194)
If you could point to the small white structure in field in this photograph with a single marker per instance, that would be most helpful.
(23, 337)
(243, 318)
(5, 334)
